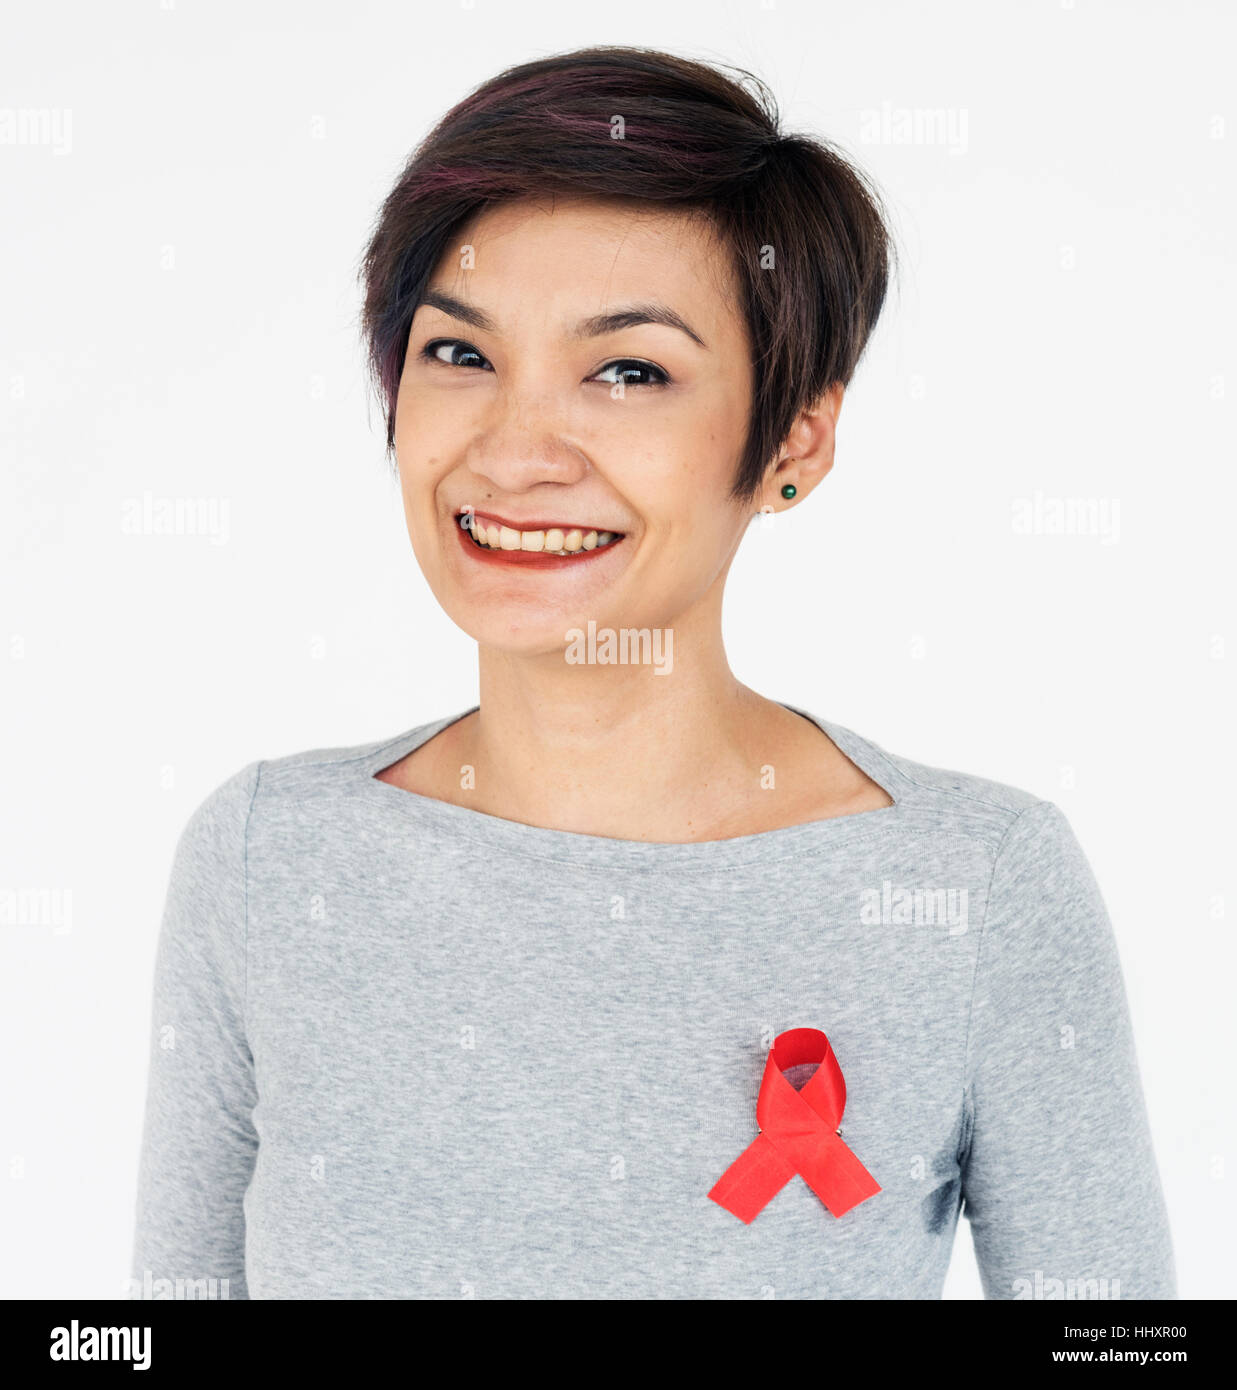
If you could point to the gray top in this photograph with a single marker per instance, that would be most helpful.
(405, 1049)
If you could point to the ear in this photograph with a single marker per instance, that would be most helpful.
(808, 453)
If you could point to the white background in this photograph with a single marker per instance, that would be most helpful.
(179, 318)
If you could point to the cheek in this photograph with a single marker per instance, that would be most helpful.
(423, 424)
(693, 461)
(417, 485)
(421, 443)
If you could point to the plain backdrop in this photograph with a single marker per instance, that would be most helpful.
(187, 189)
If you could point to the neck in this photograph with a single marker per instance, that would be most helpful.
(618, 750)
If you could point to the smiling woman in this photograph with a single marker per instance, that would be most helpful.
(557, 995)
(553, 420)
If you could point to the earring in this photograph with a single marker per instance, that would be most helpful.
(789, 491)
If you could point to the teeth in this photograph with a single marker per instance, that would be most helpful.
(554, 541)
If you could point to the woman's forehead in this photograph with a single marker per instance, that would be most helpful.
(591, 253)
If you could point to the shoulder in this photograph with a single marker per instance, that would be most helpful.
(1036, 859)
(214, 859)
(213, 836)
(1025, 838)
(288, 784)
(947, 799)
(1042, 901)
(297, 784)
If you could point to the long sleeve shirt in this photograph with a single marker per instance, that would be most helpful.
(404, 1049)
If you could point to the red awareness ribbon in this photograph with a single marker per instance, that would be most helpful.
(799, 1133)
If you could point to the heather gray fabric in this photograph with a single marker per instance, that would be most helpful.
(405, 1049)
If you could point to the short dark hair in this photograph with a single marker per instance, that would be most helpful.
(807, 234)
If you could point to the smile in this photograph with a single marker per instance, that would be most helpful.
(550, 542)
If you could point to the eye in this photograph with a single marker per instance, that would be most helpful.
(627, 370)
(453, 353)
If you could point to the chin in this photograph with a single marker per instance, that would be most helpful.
(519, 631)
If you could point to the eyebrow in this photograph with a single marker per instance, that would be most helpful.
(595, 327)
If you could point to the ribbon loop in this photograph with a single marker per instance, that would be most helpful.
(799, 1133)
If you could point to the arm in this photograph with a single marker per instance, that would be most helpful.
(1059, 1177)
(198, 1142)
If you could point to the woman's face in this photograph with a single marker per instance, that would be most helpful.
(519, 406)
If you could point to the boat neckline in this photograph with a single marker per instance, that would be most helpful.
(570, 846)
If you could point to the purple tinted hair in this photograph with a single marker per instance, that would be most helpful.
(807, 236)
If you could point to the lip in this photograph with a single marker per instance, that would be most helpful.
(529, 559)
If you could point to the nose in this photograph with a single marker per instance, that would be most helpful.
(522, 442)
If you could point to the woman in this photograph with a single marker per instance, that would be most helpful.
(630, 981)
